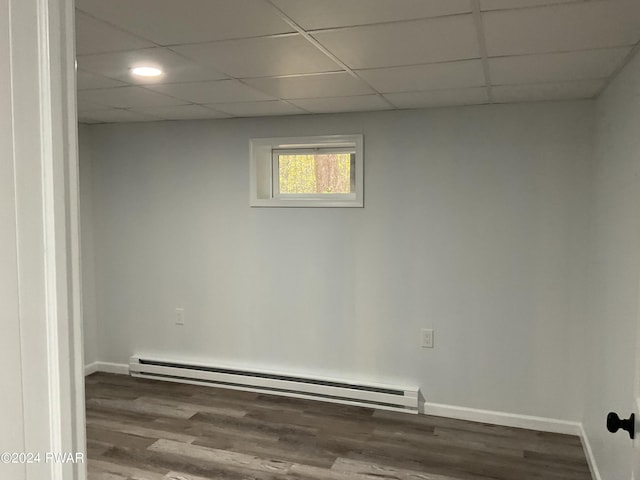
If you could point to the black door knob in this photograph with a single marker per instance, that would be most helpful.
(615, 423)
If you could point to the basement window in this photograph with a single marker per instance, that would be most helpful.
(307, 171)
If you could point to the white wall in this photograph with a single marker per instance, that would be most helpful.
(616, 270)
(474, 225)
(88, 257)
(12, 437)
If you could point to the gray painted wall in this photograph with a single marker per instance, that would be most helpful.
(475, 224)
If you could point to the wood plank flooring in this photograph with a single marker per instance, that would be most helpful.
(150, 430)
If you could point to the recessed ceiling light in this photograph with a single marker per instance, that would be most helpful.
(146, 71)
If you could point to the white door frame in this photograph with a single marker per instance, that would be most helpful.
(45, 162)
(635, 408)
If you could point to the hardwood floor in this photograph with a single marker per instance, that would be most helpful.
(150, 430)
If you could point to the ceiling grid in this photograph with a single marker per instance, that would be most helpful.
(477, 18)
(238, 58)
(320, 47)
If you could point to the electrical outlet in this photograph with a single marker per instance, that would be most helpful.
(179, 316)
(426, 338)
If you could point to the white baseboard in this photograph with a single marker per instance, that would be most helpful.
(591, 460)
(519, 421)
(107, 367)
(91, 368)
(505, 419)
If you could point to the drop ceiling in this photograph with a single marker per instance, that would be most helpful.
(242, 58)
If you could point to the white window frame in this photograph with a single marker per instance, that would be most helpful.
(265, 175)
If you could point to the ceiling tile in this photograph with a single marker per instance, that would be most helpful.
(579, 26)
(257, 109)
(189, 72)
(94, 36)
(315, 14)
(181, 112)
(339, 84)
(116, 116)
(176, 68)
(555, 67)
(212, 92)
(466, 73)
(547, 91)
(263, 57)
(439, 98)
(127, 97)
(342, 104)
(418, 53)
(171, 22)
(509, 4)
(85, 105)
(87, 80)
(406, 43)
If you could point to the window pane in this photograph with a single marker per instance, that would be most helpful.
(315, 173)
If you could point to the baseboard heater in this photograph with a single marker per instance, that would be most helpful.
(384, 397)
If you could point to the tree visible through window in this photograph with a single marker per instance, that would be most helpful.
(311, 171)
(327, 173)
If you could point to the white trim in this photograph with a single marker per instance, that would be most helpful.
(58, 128)
(91, 368)
(55, 258)
(42, 43)
(542, 424)
(588, 452)
(106, 367)
(69, 130)
(117, 368)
